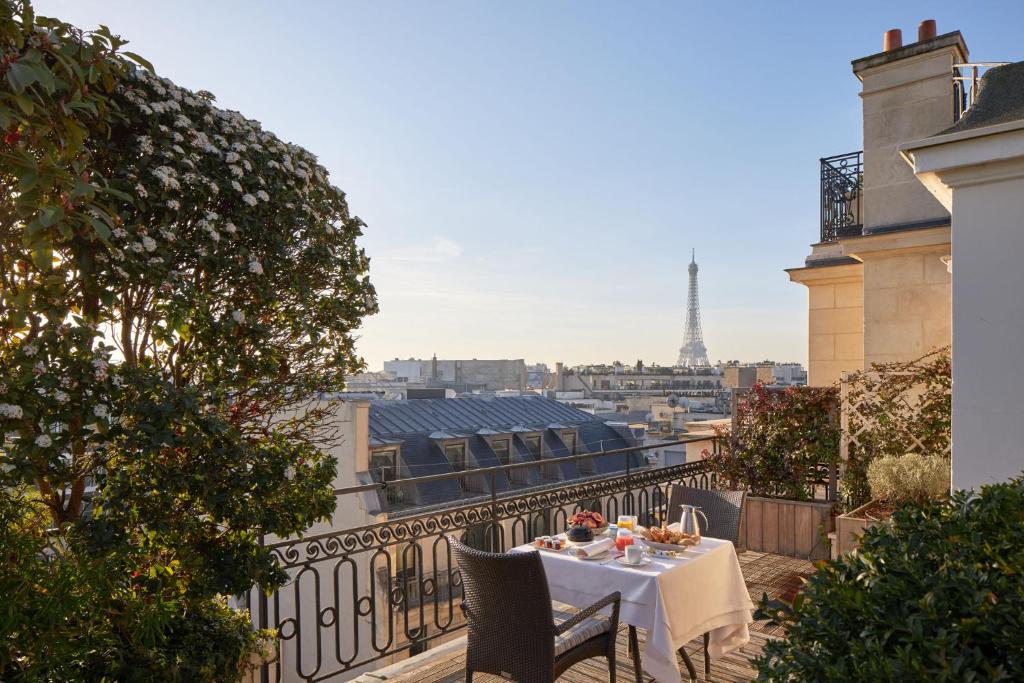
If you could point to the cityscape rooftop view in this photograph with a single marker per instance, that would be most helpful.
(463, 341)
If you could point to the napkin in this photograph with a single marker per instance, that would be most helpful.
(592, 549)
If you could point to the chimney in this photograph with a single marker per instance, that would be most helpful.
(926, 30)
(892, 40)
(907, 95)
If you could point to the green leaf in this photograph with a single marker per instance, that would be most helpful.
(25, 103)
(27, 179)
(50, 215)
(21, 76)
(100, 227)
(45, 78)
(139, 60)
(42, 255)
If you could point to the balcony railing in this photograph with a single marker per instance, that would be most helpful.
(966, 82)
(842, 182)
(360, 595)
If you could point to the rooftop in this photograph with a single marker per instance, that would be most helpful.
(392, 418)
(420, 428)
(1000, 99)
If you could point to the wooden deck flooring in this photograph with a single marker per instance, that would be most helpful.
(776, 575)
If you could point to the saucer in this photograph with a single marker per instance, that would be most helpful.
(622, 561)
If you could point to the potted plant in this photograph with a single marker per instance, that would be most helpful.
(778, 445)
(894, 481)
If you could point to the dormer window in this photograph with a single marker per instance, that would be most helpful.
(533, 444)
(569, 439)
(384, 468)
(455, 452)
(502, 448)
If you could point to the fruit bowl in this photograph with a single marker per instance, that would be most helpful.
(579, 534)
(594, 521)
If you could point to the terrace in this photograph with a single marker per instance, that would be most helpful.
(382, 601)
(777, 576)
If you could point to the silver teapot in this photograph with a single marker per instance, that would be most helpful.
(688, 523)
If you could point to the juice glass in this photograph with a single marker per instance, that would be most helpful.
(625, 522)
(623, 538)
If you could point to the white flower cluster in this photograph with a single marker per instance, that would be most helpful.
(167, 177)
(194, 150)
(11, 412)
(101, 369)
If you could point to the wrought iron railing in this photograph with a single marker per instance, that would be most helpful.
(966, 82)
(361, 595)
(842, 183)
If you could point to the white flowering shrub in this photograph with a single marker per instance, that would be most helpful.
(173, 280)
(899, 479)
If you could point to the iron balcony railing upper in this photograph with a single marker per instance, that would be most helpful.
(967, 84)
(842, 189)
(842, 176)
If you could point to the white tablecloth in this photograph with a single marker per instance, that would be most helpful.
(674, 600)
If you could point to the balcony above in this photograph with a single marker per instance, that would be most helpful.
(842, 185)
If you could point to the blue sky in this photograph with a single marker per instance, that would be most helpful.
(534, 174)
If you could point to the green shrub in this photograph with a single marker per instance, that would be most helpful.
(893, 409)
(781, 440)
(225, 267)
(907, 478)
(69, 615)
(934, 596)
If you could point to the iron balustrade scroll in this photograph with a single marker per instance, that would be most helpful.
(842, 185)
(361, 595)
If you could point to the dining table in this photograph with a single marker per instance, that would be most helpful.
(698, 592)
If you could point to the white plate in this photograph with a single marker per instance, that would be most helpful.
(622, 561)
(669, 546)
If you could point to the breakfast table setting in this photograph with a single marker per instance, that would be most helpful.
(675, 584)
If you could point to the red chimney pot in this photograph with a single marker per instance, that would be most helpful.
(892, 40)
(926, 30)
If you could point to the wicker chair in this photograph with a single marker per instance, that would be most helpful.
(511, 627)
(724, 510)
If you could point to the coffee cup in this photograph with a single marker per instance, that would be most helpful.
(634, 554)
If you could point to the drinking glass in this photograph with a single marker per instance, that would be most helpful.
(625, 522)
(623, 538)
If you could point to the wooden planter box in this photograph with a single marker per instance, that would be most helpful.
(786, 527)
(850, 527)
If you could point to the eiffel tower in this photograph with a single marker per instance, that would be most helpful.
(693, 353)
